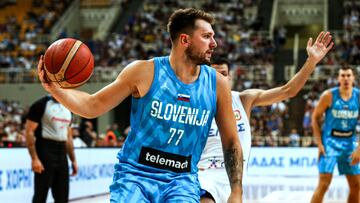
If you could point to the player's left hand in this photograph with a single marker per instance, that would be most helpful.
(355, 157)
(320, 48)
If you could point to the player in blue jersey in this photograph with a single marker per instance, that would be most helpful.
(336, 139)
(174, 100)
(216, 188)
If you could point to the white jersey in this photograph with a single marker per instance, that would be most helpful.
(212, 173)
(55, 121)
(212, 155)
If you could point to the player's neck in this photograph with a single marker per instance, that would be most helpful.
(185, 70)
(345, 93)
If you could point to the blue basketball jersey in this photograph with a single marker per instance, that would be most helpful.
(170, 124)
(338, 133)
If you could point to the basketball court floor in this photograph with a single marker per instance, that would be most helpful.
(275, 189)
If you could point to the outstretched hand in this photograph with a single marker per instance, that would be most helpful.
(320, 48)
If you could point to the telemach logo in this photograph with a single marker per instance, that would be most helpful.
(164, 160)
(341, 133)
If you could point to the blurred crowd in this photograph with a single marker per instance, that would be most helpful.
(20, 27)
(12, 129)
(267, 126)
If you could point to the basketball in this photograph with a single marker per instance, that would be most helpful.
(68, 62)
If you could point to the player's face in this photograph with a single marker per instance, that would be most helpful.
(223, 69)
(346, 78)
(202, 43)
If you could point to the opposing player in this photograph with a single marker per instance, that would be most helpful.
(336, 139)
(212, 175)
(174, 100)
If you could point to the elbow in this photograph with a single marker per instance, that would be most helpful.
(291, 92)
(90, 111)
(314, 122)
(231, 145)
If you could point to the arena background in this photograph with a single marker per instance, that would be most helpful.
(264, 40)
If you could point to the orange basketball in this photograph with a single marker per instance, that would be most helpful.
(69, 62)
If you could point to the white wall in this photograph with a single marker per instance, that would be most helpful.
(96, 168)
(272, 171)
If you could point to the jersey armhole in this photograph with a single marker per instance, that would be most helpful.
(153, 83)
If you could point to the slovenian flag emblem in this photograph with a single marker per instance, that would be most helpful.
(183, 97)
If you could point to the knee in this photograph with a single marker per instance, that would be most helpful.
(324, 185)
(355, 186)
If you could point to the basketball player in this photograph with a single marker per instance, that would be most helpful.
(49, 140)
(336, 139)
(174, 99)
(212, 174)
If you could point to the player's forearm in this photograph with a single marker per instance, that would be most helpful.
(78, 102)
(296, 83)
(316, 131)
(233, 158)
(30, 143)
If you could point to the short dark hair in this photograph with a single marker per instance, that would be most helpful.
(347, 67)
(217, 60)
(183, 21)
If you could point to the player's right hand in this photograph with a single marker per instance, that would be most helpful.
(321, 151)
(45, 82)
(37, 166)
(355, 157)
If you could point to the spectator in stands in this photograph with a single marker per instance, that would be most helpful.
(308, 141)
(3, 135)
(78, 142)
(87, 132)
(127, 131)
(294, 138)
(115, 128)
(116, 135)
(110, 139)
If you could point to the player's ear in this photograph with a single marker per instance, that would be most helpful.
(184, 39)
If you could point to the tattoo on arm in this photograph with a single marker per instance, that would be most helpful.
(234, 166)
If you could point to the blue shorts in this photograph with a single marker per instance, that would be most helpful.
(327, 164)
(133, 185)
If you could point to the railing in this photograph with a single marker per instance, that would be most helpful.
(108, 74)
(20, 75)
(60, 24)
(321, 72)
